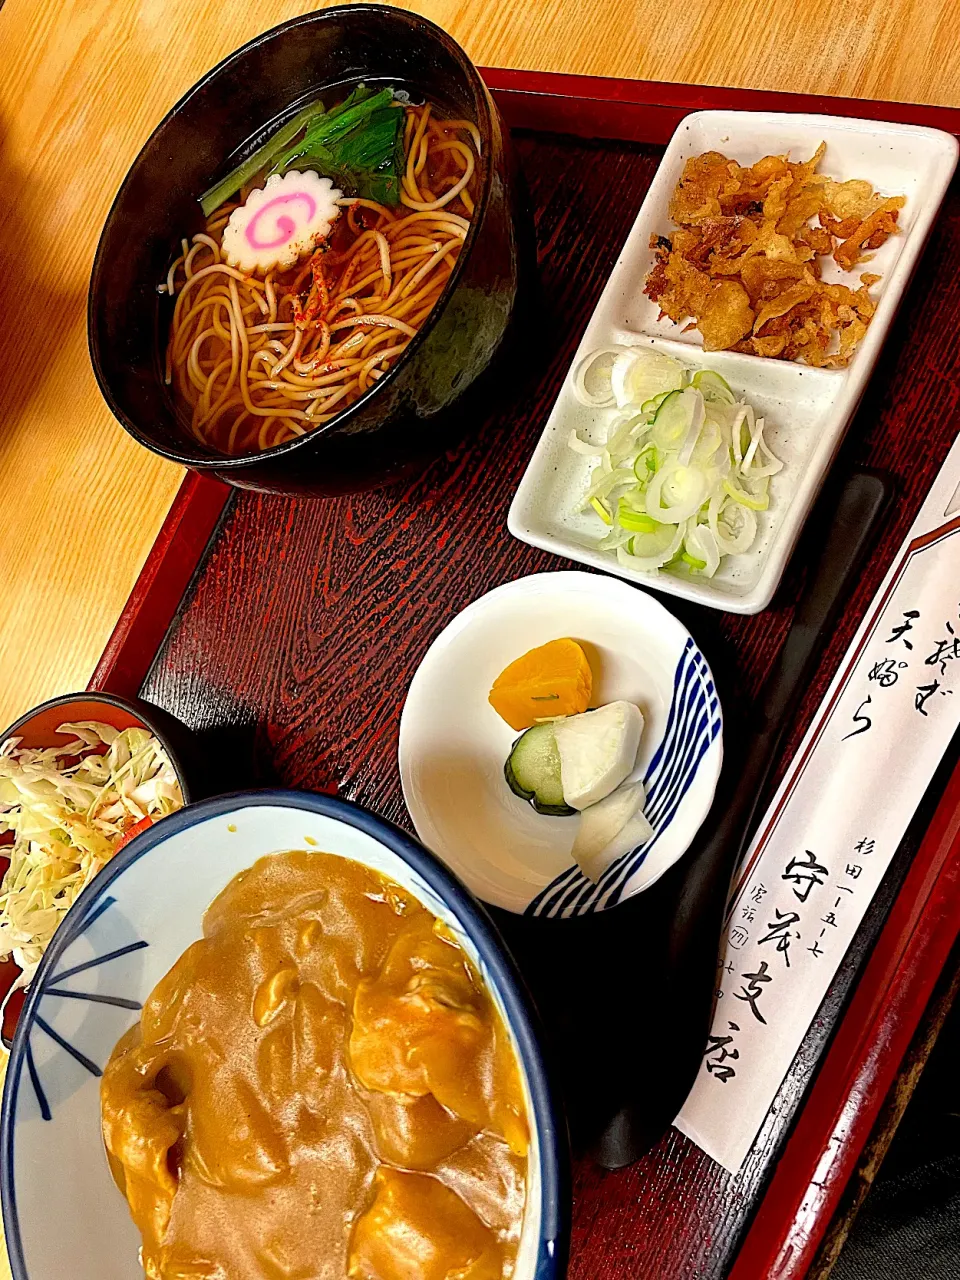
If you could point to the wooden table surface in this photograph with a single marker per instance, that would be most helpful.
(82, 83)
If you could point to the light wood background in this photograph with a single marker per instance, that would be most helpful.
(82, 83)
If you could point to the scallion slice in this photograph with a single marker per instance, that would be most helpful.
(685, 468)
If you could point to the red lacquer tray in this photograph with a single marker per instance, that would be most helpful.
(289, 629)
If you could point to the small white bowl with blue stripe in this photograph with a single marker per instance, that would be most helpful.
(62, 1213)
(453, 744)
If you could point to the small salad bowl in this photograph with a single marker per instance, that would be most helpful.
(453, 744)
(39, 728)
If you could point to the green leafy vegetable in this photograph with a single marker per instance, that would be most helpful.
(358, 144)
(249, 168)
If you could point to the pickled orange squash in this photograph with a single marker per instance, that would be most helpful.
(553, 680)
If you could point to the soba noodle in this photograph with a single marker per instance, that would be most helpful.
(258, 361)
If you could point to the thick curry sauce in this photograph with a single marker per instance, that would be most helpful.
(320, 1088)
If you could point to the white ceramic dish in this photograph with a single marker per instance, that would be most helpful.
(807, 410)
(63, 1215)
(453, 744)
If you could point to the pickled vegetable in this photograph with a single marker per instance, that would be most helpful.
(552, 680)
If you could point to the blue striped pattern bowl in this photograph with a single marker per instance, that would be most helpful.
(453, 744)
(62, 1213)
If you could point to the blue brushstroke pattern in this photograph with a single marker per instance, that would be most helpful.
(693, 723)
(44, 1106)
(90, 919)
(120, 1001)
(95, 997)
(98, 960)
(74, 1052)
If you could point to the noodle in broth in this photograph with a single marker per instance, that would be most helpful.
(259, 359)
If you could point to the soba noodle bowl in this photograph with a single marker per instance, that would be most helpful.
(258, 358)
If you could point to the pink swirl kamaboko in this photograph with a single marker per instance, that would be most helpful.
(280, 222)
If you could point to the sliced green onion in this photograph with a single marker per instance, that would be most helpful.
(713, 387)
(591, 381)
(646, 462)
(731, 540)
(601, 511)
(628, 517)
(746, 499)
(604, 482)
(654, 403)
(651, 550)
(675, 493)
(626, 432)
(683, 472)
(702, 546)
(641, 372)
(673, 420)
(584, 447)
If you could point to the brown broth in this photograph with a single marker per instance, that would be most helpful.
(320, 1087)
(258, 357)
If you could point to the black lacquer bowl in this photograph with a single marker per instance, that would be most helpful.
(415, 410)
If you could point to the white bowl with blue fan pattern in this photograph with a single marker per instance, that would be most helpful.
(64, 1218)
(453, 744)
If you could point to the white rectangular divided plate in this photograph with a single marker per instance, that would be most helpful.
(807, 410)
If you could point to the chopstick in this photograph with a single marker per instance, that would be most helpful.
(703, 876)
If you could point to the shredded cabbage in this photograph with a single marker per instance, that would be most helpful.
(684, 467)
(68, 808)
